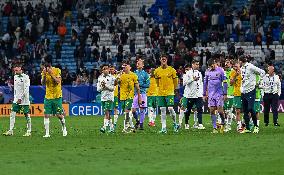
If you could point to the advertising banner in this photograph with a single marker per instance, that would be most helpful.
(37, 110)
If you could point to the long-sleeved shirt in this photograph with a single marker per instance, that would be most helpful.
(21, 89)
(249, 72)
(272, 84)
(192, 89)
(143, 80)
(108, 80)
(215, 83)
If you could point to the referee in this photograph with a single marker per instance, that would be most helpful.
(272, 91)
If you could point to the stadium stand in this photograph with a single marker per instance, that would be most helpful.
(110, 31)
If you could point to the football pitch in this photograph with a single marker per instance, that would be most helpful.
(87, 151)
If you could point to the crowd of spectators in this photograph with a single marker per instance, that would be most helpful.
(25, 40)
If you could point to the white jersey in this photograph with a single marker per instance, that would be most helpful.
(272, 84)
(109, 80)
(193, 89)
(21, 89)
(249, 72)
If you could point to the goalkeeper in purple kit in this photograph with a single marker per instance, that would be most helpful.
(215, 90)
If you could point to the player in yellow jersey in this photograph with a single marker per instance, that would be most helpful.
(128, 81)
(152, 101)
(116, 99)
(236, 82)
(51, 78)
(167, 83)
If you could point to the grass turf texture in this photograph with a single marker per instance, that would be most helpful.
(86, 151)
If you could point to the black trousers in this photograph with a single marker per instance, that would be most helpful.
(199, 104)
(270, 100)
(248, 100)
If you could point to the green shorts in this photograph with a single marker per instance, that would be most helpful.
(257, 106)
(126, 104)
(229, 103)
(53, 106)
(183, 102)
(238, 102)
(152, 101)
(166, 101)
(25, 109)
(107, 105)
(115, 102)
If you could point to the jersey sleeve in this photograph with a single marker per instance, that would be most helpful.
(175, 78)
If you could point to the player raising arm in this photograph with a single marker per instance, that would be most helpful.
(51, 78)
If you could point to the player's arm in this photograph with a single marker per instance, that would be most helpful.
(205, 84)
(55, 76)
(99, 85)
(187, 78)
(136, 85)
(225, 84)
(257, 70)
(26, 87)
(278, 85)
(157, 78)
(175, 81)
(43, 76)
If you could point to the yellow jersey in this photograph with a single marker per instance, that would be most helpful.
(116, 87)
(237, 84)
(127, 83)
(53, 89)
(167, 80)
(153, 89)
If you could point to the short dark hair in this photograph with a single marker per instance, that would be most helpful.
(164, 55)
(103, 65)
(243, 58)
(126, 62)
(194, 61)
(210, 62)
(17, 65)
(187, 66)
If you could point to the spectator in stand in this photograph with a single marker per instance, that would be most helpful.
(115, 38)
(58, 49)
(104, 54)
(62, 30)
(132, 24)
(126, 25)
(95, 37)
(123, 37)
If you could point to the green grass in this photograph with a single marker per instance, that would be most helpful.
(86, 151)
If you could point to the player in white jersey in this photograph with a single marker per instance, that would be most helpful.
(21, 101)
(106, 85)
(193, 92)
(248, 90)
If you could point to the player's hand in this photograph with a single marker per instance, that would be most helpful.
(225, 97)
(238, 72)
(19, 101)
(205, 98)
(44, 70)
(195, 78)
(49, 70)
